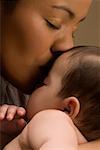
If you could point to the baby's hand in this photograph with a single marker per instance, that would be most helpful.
(10, 112)
(12, 119)
(12, 122)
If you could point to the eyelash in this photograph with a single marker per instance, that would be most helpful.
(52, 26)
(73, 35)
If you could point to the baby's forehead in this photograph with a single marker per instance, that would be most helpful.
(63, 58)
(61, 65)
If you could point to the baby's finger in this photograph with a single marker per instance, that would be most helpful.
(21, 123)
(21, 111)
(11, 112)
(3, 111)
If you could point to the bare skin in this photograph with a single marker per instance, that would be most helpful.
(31, 35)
(33, 32)
(36, 142)
(46, 97)
(47, 130)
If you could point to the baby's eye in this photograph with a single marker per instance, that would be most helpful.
(42, 84)
(52, 25)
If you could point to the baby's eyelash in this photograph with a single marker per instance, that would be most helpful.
(42, 84)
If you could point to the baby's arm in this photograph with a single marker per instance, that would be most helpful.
(51, 129)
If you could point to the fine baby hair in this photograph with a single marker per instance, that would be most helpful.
(82, 80)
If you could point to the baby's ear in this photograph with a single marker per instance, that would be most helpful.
(72, 106)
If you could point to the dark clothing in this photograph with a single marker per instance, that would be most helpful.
(11, 95)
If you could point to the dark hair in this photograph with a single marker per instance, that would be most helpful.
(83, 81)
(8, 5)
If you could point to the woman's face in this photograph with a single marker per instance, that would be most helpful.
(34, 32)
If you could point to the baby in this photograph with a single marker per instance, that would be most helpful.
(65, 110)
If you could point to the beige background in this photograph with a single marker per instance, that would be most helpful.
(89, 30)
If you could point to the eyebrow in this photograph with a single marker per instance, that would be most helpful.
(66, 9)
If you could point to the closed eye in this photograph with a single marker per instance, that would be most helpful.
(40, 85)
(52, 26)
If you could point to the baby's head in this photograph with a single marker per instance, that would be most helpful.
(73, 86)
(82, 81)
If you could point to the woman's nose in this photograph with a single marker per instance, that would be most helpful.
(63, 43)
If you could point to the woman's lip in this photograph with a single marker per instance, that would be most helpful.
(37, 81)
(43, 71)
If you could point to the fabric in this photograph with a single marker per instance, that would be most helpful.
(11, 95)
